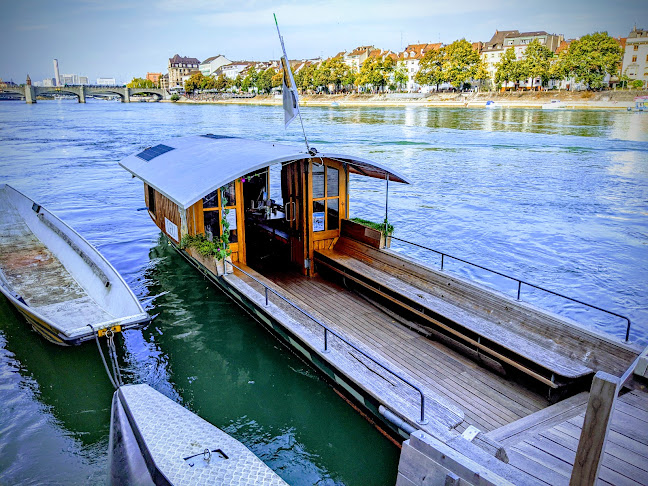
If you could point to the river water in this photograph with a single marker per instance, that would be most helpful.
(558, 198)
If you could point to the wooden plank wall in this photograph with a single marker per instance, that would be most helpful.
(327, 244)
(195, 221)
(164, 208)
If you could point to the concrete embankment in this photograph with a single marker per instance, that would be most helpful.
(619, 99)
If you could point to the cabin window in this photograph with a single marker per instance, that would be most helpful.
(151, 199)
(213, 212)
(326, 198)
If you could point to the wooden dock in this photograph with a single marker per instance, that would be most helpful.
(547, 450)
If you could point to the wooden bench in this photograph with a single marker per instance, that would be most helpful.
(490, 337)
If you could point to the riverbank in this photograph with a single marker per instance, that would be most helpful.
(621, 99)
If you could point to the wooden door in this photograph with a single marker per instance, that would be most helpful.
(293, 190)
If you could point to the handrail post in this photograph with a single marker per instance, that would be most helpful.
(519, 288)
(591, 445)
(627, 330)
(326, 340)
(442, 255)
(422, 421)
(266, 295)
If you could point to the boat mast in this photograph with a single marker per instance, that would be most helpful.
(290, 79)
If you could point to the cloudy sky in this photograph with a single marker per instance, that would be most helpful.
(126, 38)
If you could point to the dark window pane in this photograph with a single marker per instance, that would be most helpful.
(212, 224)
(318, 181)
(211, 200)
(151, 199)
(332, 214)
(332, 182)
(230, 194)
(318, 216)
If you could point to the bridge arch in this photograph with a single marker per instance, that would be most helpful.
(147, 92)
(56, 90)
(99, 90)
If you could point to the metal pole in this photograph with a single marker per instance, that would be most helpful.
(386, 201)
(442, 255)
(325, 340)
(266, 295)
(519, 288)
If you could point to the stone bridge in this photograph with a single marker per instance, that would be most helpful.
(30, 93)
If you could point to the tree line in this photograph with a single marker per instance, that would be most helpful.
(588, 60)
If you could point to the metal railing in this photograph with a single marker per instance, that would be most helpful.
(328, 331)
(520, 283)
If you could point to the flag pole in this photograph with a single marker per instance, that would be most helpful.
(290, 77)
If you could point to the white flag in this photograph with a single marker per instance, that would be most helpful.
(290, 96)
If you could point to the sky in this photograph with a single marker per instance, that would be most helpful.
(128, 38)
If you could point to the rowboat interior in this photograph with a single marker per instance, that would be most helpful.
(421, 349)
(65, 289)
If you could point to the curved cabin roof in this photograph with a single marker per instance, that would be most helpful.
(185, 169)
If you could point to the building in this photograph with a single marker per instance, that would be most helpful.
(493, 50)
(106, 82)
(232, 70)
(69, 79)
(357, 56)
(57, 76)
(410, 58)
(83, 80)
(164, 81)
(180, 66)
(635, 59)
(154, 78)
(48, 82)
(210, 65)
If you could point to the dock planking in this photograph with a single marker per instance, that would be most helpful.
(487, 399)
(625, 458)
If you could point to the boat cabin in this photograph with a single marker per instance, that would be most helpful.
(195, 185)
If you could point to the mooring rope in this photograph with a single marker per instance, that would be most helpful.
(103, 358)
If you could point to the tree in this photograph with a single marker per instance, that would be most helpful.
(221, 83)
(304, 77)
(481, 73)
(559, 68)
(194, 82)
(277, 79)
(141, 83)
(507, 67)
(375, 72)
(250, 80)
(400, 75)
(264, 80)
(537, 61)
(431, 70)
(592, 57)
(460, 62)
(637, 84)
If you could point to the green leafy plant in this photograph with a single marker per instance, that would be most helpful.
(205, 247)
(377, 226)
(175, 97)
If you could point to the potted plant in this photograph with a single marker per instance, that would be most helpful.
(386, 230)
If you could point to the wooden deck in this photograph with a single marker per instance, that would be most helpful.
(488, 400)
(548, 452)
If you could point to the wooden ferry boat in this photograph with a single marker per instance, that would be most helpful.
(60, 283)
(471, 377)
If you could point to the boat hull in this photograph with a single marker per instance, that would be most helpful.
(63, 287)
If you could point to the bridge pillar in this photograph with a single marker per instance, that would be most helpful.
(30, 94)
(81, 94)
(126, 97)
